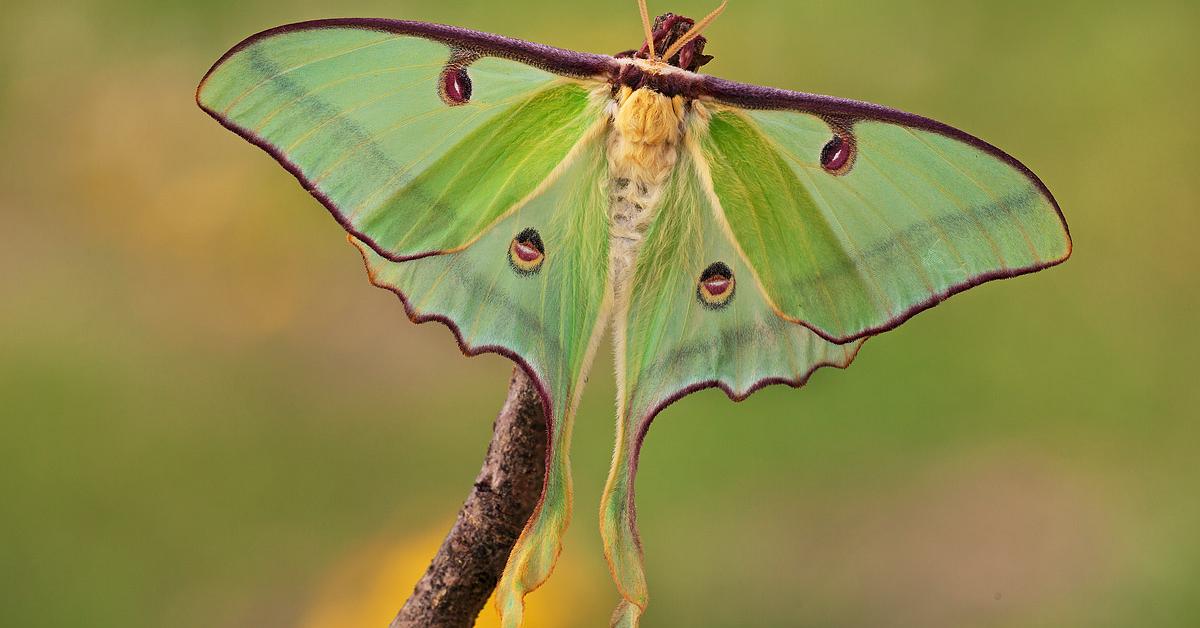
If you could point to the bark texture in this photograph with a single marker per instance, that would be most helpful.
(468, 565)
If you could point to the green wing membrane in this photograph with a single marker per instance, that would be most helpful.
(669, 344)
(357, 115)
(549, 321)
(917, 217)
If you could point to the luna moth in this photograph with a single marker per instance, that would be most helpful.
(531, 198)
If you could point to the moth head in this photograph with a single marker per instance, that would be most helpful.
(674, 39)
(669, 29)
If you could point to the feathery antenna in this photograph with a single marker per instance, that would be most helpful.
(646, 27)
(690, 35)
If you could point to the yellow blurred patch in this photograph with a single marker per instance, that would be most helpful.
(369, 586)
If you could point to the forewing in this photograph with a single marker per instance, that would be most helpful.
(673, 340)
(915, 212)
(417, 137)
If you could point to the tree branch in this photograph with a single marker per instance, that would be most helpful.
(468, 565)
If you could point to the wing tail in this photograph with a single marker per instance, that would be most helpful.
(693, 318)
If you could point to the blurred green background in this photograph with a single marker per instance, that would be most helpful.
(212, 421)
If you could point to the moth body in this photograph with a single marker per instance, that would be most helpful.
(643, 145)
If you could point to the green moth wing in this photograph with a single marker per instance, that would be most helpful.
(415, 136)
(853, 225)
(549, 319)
(469, 170)
(790, 231)
(674, 336)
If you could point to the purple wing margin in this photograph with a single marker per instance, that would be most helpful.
(549, 58)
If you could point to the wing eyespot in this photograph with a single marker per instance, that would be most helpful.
(716, 285)
(837, 156)
(454, 85)
(526, 252)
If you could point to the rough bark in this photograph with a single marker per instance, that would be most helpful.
(468, 565)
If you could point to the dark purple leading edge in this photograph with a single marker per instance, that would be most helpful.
(557, 60)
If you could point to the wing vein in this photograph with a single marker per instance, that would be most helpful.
(986, 189)
(256, 86)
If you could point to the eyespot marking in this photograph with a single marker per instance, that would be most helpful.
(454, 85)
(716, 286)
(526, 252)
(837, 157)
